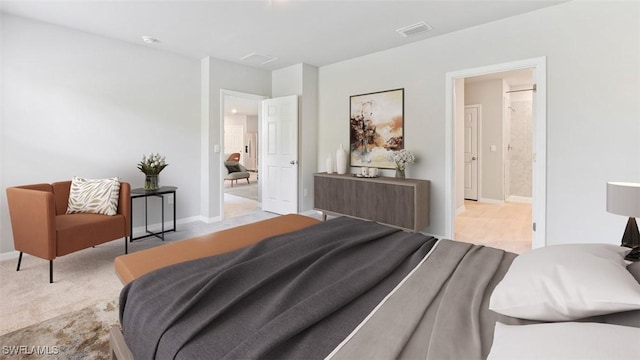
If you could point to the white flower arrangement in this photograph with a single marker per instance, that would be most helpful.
(152, 164)
(402, 158)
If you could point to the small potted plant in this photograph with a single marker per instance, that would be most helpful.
(402, 158)
(151, 166)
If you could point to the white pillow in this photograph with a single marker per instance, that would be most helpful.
(94, 196)
(567, 282)
(564, 341)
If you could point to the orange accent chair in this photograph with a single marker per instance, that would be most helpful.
(41, 227)
(234, 157)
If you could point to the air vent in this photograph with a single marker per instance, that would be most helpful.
(415, 29)
(258, 59)
(149, 39)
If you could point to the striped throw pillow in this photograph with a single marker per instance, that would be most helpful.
(94, 196)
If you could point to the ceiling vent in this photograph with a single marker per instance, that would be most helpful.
(258, 59)
(415, 29)
(149, 39)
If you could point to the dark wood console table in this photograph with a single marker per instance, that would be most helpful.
(402, 203)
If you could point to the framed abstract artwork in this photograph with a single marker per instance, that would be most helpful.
(376, 127)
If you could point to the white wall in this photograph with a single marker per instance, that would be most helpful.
(217, 75)
(287, 81)
(489, 94)
(79, 104)
(237, 120)
(593, 117)
(4, 224)
(252, 122)
(519, 159)
(309, 134)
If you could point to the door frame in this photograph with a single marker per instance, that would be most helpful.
(479, 144)
(224, 93)
(506, 142)
(539, 193)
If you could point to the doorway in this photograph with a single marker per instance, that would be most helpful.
(496, 175)
(493, 219)
(240, 128)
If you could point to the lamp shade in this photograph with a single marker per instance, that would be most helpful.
(623, 198)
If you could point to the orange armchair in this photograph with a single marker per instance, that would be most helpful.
(42, 228)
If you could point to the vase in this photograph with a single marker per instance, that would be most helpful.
(400, 173)
(329, 164)
(341, 160)
(151, 182)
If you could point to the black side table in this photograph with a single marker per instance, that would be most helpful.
(161, 192)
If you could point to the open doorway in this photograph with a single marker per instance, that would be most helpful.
(497, 126)
(240, 155)
(497, 145)
(498, 136)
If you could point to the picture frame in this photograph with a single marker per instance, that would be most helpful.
(376, 127)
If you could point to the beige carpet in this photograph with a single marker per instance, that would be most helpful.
(80, 279)
(82, 334)
(242, 189)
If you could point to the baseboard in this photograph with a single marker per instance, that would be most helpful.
(311, 213)
(207, 220)
(169, 224)
(188, 220)
(491, 201)
(9, 255)
(460, 210)
(520, 199)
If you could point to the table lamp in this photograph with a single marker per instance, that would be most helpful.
(623, 198)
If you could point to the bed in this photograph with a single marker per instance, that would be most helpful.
(352, 289)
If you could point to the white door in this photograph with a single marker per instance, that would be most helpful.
(279, 155)
(233, 140)
(471, 153)
(251, 153)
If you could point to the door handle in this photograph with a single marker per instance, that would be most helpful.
(473, 158)
(293, 162)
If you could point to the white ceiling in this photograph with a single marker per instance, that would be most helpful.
(242, 106)
(316, 32)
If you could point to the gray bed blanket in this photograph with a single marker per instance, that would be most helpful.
(293, 296)
(439, 312)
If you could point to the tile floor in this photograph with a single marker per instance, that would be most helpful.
(506, 226)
